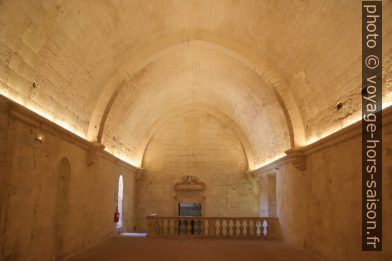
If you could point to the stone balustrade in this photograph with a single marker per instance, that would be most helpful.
(214, 227)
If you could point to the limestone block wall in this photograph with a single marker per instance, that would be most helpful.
(320, 208)
(267, 195)
(48, 209)
(196, 144)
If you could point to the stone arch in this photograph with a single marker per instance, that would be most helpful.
(227, 85)
(157, 48)
(248, 150)
(62, 204)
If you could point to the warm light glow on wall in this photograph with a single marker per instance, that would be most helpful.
(137, 163)
(357, 117)
(343, 124)
(387, 104)
(61, 123)
(334, 129)
(121, 156)
(34, 108)
(265, 163)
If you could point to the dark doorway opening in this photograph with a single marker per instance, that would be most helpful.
(189, 210)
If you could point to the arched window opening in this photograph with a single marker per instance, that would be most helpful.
(120, 200)
(61, 210)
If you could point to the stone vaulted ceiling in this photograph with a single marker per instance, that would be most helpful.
(114, 71)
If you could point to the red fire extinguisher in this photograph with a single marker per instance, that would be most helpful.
(116, 216)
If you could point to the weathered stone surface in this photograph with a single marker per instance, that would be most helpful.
(47, 212)
(110, 70)
(320, 209)
(212, 89)
(195, 144)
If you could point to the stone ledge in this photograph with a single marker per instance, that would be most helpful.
(297, 156)
(94, 150)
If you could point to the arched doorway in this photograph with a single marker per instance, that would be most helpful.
(61, 210)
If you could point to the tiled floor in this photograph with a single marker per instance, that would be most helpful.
(133, 247)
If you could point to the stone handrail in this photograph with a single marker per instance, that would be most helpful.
(214, 227)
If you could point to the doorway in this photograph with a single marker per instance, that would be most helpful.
(190, 210)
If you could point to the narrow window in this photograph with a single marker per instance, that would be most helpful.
(120, 200)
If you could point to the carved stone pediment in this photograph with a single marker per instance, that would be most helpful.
(189, 183)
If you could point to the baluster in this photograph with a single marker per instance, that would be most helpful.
(174, 226)
(211, 228)
(219, 228)
(248, 228)
(197, 227)
(243, 224)
(254, 228)
(222, 227)
(192, 226)
(200, 230)
(239, 222)
(244, 227)
(180, 226)
(158, 226)
(183, 226)
(164, 225)
(229, 228)
(259, 231)
(235, 228)
(169, 226)
(177, 227)
(265, 228)
(186, 226)
(205, 227)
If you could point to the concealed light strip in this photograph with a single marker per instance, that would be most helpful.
(136, 163)
(324, 135)
(43, 114)
(122, 157)
(343, 125)
(265, 163)
(60, 123)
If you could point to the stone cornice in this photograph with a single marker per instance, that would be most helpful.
(270, 167)
(121, 162)
(189, 183)
(94, 150)
(297, 156)
(344, 134)
(35, 120)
